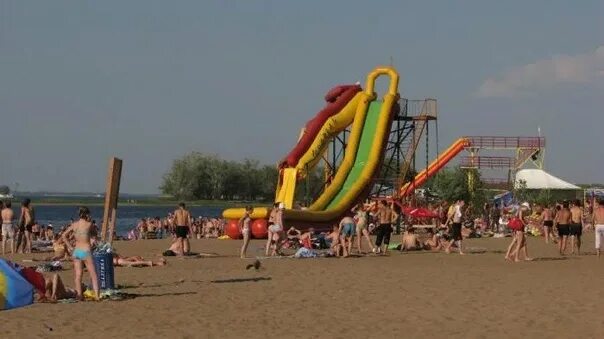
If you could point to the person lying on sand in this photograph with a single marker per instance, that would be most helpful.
(56, 290)
(409, 241)
(136, 261)
(174, 250)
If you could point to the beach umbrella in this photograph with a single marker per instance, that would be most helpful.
(422, 212)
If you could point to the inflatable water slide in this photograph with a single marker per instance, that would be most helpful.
(370, 120)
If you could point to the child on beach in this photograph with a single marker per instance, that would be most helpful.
(334, 237)
(245, 228)
(346, 230)
(82, 251)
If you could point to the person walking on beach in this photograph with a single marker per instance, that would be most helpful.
(82, 254)
(455, 217)
(26, 221)
(517, 225)
(598, 221)
(245, 228)
(182, 218)
(562, 222)
(8, 229)
(576, 226)
(548, 222)
(385, 228)
(275, 229)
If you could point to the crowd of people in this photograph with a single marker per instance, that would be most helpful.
(159, 228)
(561, 223)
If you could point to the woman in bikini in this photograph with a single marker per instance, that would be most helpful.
(361, 226)
(82, 251)
(245, 228)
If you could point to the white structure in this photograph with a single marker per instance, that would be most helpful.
(540, 179)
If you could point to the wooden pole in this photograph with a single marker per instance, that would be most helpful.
(111, 198)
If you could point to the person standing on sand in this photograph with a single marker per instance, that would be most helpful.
(562, 222)
(82, 253)
(8, 229)
(548, 222)
(182, 218)
(385, 228)
(361, 226)
(245, 228)
(455, 217)
(275, 228)
(26, 222)
(598, 221)
(576, 226)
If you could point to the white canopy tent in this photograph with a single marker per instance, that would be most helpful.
(540, 179)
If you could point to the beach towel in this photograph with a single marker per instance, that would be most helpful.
(305, 253)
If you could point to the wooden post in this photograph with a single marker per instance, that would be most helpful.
(114, 176)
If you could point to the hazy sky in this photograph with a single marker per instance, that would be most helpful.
(151, 80)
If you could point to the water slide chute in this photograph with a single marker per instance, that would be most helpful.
(441, 160)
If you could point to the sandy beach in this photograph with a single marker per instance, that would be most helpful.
(421, 294)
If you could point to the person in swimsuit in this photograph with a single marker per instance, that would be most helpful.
(576, 226)
(26, 222)
(433, 243)
(182, 218)
(82, 251)
(245, 228)
(136, 261)
(548, 222)
(598, 221)
(409, 240)
(346, 230)
(385, 228)
(334, 238)
(275, 229)
(306, 238)
(456, 236)
(517, 224)
(8, 230)
(56, 290)
(562, 222)
(361, 226)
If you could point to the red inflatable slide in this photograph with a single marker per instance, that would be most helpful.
(336, 99)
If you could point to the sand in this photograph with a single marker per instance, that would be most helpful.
(412, 295)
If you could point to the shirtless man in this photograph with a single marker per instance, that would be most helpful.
(409, 241)
(548, 222)
(385, 228)
(576, 226)
(562, 222)
(8, 229)
(182, 218)
(598, 221)
(346, 229)
(26, 222)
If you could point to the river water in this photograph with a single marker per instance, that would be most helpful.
(127, 216)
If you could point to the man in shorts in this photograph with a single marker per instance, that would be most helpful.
(8, 229)
(576, 226)
(182, 218)
(385, 228)
(455, 217)
(346, 229)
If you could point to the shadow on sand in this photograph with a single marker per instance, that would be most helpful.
(238, 280)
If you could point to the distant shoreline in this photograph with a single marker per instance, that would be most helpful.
(140, 202)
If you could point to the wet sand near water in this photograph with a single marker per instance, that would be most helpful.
(414, 295)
